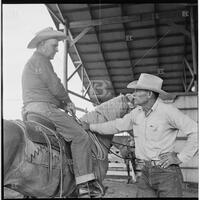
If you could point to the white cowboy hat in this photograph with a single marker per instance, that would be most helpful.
(45, 34)
(150, 82)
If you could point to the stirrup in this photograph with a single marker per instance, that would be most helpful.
(84, 191)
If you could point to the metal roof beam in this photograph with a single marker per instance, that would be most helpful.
(134, 28)
(77, 68)
(79, 57)
(138, 65)
(135, 39)
(76, 94)
(136, 48)
(60, 20)
(78, 37)
(125, 19)
(138, 57)
(93, 7)
(194, 47)
(101, 51)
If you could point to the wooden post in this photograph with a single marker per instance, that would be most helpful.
(65, 65)
(194, 53)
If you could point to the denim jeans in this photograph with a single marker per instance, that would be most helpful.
(160, 182)
(71, 131)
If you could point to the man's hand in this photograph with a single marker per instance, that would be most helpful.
(85, 126)
(168, 159)
(70, 108)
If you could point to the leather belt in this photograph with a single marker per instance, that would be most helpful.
(148, 162)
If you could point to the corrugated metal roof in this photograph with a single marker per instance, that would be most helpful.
(125, 40)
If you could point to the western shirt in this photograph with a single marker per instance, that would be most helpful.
(40, 83)
(156, 132)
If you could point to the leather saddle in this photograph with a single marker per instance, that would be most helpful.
(41, 130)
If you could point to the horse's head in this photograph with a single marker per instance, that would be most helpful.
(110, 110)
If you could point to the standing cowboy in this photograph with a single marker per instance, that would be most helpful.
(44, 93)
(155, 126)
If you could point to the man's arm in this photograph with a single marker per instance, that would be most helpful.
(189, 127)
(113, 127)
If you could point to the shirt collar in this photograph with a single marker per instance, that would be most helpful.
(40, 54)
(155, 105)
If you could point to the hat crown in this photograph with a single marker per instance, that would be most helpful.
(46, 34)
(150, 81)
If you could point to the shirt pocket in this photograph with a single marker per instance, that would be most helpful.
(152, 131)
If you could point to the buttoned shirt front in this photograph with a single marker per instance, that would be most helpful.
(155, 133)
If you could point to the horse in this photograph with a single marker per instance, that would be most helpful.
(28, 168)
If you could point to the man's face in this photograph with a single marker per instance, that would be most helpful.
(141, 97)
(51, 48)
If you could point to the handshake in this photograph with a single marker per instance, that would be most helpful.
(85, 126)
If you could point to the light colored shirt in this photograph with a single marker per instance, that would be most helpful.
(156, 132)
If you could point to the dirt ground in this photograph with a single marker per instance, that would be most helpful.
(118, 188)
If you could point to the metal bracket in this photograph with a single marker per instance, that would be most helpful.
(74, 71)
(79, 36)
(192, 73)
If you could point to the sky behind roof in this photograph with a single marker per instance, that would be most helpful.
(20, 23)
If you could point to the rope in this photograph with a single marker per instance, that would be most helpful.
(50, 165)
(101, 154)
(61, 154)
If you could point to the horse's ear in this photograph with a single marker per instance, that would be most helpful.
(129, 97)
(130, 100)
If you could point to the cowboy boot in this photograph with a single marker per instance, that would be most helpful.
(83, 190)
(96, 188)
(91, 189)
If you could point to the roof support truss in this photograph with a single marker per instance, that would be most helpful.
(78, 37)
(192, 73)
(125, 19)
(64, 21)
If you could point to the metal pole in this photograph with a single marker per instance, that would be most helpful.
(65, 65)
(194, 53)
(78, 95)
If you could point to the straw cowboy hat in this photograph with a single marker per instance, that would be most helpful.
(45, 34)
(150, 82)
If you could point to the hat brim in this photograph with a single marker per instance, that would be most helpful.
(162, 94)
(52, 35)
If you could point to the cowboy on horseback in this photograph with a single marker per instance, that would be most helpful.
(43, 93)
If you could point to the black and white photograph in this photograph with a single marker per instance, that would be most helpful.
(99, 100)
